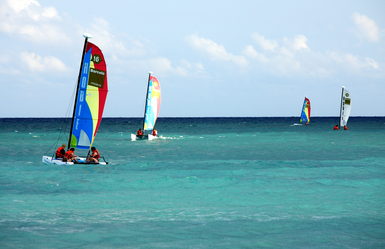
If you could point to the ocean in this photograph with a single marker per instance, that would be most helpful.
(205, 183)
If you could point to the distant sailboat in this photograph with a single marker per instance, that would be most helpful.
(151, 110)
(91, 94)
(305, 113)
(345, 108)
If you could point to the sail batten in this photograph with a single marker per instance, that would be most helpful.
(91, 98)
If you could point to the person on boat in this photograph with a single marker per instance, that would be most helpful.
(94, 156)
(154, 133)
(307, 123)
(139, 132)
(345, 128)
(60, 152)
(336, 127)
(69, 156)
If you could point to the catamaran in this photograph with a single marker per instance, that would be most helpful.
(305, 113)
(345, 108)
(91, 94)
(151, 110)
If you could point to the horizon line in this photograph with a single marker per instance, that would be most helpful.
(219, 117)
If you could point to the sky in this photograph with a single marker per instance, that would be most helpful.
(212, 58)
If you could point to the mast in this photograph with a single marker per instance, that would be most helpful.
(342, 95)
(86, 36)
(145, 105)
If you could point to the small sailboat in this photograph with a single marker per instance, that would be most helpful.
(151, 110)
(91, 94)
(305, 113)
(345, 108)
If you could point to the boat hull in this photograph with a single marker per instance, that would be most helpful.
(135, 137)
(50, 160)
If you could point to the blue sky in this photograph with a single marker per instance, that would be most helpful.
(212, 58)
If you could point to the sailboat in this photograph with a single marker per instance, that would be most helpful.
(345, 108)
(151, 110)
(305, 113)
(91, 94)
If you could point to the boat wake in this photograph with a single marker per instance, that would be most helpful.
(175, 138)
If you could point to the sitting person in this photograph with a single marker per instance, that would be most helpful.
(139, 132)
(60, 152)
(69, 156)
(345, 128)
(154, 133)
(336, 127)
(94, 157)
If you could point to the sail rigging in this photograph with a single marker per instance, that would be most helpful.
(90, 98)
(345, 107)
(153, 100)
(305, 113)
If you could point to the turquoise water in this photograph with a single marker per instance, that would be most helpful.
(206, 183)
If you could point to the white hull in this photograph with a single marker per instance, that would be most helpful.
(145, 137)
(50, 160)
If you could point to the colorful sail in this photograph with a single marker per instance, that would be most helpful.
(152, 103)
(91, 98)
(345, 107)
(305, 114)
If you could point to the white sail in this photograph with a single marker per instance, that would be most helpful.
(346, 105)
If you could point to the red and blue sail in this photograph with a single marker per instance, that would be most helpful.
(305, 114)
(152, 103)
(91, 98)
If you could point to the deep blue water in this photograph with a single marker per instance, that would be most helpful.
(206, 183)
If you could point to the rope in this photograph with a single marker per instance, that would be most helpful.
(64, 123)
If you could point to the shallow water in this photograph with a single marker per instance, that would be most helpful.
(206, 183)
